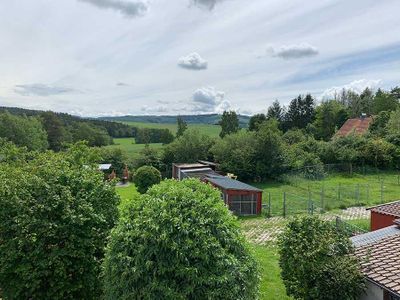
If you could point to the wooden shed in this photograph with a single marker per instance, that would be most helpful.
(241, 198)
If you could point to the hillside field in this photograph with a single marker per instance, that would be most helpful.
(129, 145)
(208, 129)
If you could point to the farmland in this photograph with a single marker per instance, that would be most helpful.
(129, 145)
(211, 130)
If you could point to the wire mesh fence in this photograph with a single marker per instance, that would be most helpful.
(320, 197)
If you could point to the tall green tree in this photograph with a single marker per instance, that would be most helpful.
(385, 101)
(57, 135)
(229, 123)
(275, 111)
(300, 112)
(23, 131)
(393, 125)
(317, 261)
(329, 116)
(182, 126)
(255, 121)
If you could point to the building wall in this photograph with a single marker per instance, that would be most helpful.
(379, 220)
(257, 194)
(372, 292)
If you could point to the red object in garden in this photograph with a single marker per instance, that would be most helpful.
(384, 215)
(125, 174)
(112, 176)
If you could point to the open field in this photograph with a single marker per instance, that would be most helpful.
(128, 145)
(211, 130)
(334, 192)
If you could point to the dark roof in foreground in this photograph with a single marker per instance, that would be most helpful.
(357, 125)
(230, 184)
(380, 262)
(391, 209)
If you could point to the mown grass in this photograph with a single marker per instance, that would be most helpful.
(131, 148)
(208, 129)
(336, 191)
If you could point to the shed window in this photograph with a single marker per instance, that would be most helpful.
(245, 204)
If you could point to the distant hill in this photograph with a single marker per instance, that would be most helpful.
(211, 119)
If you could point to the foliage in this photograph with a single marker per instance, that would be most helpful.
(255, 121)
(393, 125)
(378, 126)
(329, 117)
(385, 101)
(182, 126)
(153, 135)
(145, 177)
(300, 112)
(229, 123)
(95, 136)
(236, 154)
(55, 216)
(116, 157)
(179, 242)
(190, 147)
(57, 135)
(317, 261)
(148, 156)
(23, 131)
(275, 111)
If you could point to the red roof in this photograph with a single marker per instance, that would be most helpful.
(358, 126)
(391, 209)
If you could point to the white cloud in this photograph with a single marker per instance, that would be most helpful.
(193, 61)
(209, 4)
(294, 51)
(357, 86)
(207, 99)
(122, 84)
(39, 89)
(131, 9)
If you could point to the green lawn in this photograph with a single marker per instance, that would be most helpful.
(128, 144)
(335, 191)
(272, 287)
(211, 130)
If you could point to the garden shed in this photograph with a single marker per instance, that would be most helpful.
(241, 198)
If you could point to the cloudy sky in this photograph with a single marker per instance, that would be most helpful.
(118, 57)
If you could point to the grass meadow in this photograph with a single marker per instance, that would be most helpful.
(131, 148)
(208, 129)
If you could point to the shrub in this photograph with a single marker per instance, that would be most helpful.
(317, 262)
(54, 221)
(145, 177)
(179, 242)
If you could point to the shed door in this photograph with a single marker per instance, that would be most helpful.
(245, 204)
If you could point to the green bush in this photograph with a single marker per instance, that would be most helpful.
(317, 262)
(179, 242)
(145, 177)
(55, 217)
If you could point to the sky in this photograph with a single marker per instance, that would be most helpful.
(169, 57)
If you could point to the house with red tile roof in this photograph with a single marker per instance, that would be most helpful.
(379, 255)
(358, 126)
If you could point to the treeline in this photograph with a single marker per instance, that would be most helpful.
(292, 138)
(39, 130)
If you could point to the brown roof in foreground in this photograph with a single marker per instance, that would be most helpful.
(358, 126)
(390, 209)
(380, 262)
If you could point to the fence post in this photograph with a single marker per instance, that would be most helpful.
(269, 204)
(358, 194)
(284, 204)
(322, 198)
